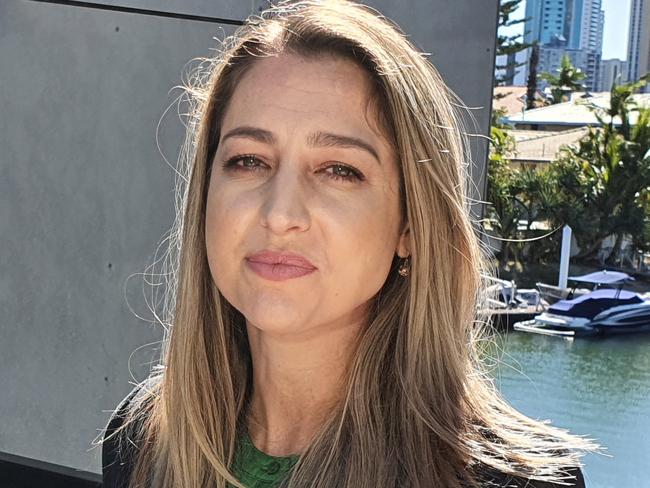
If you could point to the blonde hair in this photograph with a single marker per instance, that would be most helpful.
(418, 409)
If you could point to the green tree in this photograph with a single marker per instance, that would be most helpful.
(514, 196)
(503, 211)
(604, 184)
(508, 45)
(620, 105)
(531, 85)
(566, 81)
(601, 188)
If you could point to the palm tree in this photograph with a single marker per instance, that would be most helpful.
(567, 80)
(621, 103)
(612, 170)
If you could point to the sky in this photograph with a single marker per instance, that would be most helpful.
(617, 19)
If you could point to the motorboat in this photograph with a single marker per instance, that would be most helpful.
(552, 293)
(602, 311)
(504, 294)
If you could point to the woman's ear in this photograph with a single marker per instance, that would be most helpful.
(404, 243)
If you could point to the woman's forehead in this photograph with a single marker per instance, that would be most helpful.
(291, 90)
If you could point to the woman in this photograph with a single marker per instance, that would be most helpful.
(324, 332)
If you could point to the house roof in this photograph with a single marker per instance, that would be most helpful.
(511, 98)
(543, 146)
(575, 112)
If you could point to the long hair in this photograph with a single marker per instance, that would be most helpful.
(418, 409)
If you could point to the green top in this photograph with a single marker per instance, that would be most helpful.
(255, 469)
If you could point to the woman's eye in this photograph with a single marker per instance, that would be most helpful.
(248, 163)
(343, 172)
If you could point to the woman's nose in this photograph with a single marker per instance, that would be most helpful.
(285, 202)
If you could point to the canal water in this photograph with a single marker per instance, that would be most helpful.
(594, 387)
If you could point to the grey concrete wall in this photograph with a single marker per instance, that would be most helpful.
(85, 195)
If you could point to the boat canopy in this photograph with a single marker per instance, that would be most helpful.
(592, 303)
(603, 277)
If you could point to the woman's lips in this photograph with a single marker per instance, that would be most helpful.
(278, 272)
(279, 266)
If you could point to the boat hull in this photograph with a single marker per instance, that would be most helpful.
(535, 327)
(600, 312)
(568, 330)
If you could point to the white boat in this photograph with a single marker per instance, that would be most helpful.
(603, 311)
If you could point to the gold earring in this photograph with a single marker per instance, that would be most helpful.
(404, 267)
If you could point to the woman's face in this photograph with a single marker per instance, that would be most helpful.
(301, 169)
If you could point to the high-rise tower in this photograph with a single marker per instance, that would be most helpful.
(573, 27)
(591, 38)
(546, 20)
(638, 46)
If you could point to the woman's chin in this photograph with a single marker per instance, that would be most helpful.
(280, 327)
(277, 317)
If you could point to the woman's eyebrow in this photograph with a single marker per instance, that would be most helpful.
(316, 139)
(327, 139)
(254, 133)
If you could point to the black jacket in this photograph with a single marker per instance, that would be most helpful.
(117, 466)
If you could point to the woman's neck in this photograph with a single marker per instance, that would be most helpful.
(296, 384)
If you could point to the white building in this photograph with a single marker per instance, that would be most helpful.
(612, 70)
(550, 57)
(638, 46)
(567, 26)
(513, 75)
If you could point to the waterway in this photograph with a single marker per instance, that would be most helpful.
(594, 387)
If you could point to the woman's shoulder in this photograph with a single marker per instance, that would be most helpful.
(119, 439)
(493, 479)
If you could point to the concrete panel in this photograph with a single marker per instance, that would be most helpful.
(460, 37)
(85, 196)
(223, 9)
